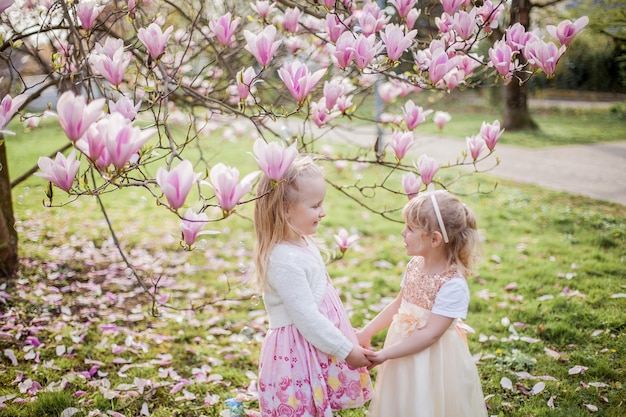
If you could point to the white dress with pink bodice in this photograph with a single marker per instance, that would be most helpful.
(441, 380)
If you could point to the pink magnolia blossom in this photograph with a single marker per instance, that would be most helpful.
(87, 12)
(489, 15)
(500, 56)
(291, 20)
(491, 132)
(154, 39)
(93, 144)
(9, 106)
(245, 80)
(125, 107)
(344, 103)
(396, 42)
(224, 28)
(112, 68)
(365, 48)
(566, 30)
(411, 184)
(176, 183)
(464, 23)
(517, 37)
(5, 4)
(389, 91)
(345, 240)
(370, 18)
(262, 46)
(75, 116)
(298, 80)
(441, 118)
(468, 63)
(475, 145)
(451, 6)
(412, 17)
(414, 115)
(122, 139)
(192, 225)
(335, 27)
(321, 114)
(427, 168)
(61, 171)
(274, 159)
(403, 6)
(333, 89)
(344, 50)
(439, 65)
(401, 142)
(454, 78)
(263, 8)
(110, 47)
(543, 55)
(444, 23)
(228, 189)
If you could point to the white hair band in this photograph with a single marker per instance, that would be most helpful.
(439, 218)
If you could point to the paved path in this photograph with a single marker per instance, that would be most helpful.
(597, 171)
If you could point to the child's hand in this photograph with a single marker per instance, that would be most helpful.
(364, 340)
(357, 357)
(376, 358)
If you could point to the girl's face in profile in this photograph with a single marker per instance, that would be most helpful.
(307, 213)
(417, 241)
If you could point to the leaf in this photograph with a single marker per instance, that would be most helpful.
(591, 408)
(506, 383)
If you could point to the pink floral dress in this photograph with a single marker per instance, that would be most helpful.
(296, 379)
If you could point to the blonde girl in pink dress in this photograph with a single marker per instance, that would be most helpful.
(426, 369)
(311, 363)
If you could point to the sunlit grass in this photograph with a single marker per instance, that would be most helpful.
(547, 298)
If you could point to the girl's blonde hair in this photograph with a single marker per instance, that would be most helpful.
(273, 198)
(463, 246)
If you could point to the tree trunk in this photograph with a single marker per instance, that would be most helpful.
(516, 114)
(8, 234)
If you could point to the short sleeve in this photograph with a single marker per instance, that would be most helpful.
(453, 298)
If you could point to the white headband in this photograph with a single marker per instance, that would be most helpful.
(438, 214)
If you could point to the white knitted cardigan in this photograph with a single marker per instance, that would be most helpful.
(296, 285)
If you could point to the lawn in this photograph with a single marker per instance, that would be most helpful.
(78, 334)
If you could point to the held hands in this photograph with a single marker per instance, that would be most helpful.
(376, 358)
(365, 340)
(358, 357)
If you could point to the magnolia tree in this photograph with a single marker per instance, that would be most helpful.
(131, 73)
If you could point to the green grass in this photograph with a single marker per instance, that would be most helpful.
(549, 297)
